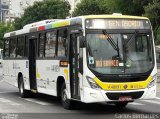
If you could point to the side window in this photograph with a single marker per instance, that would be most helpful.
(20, 47)
(41, 45)
(62, 43)
(50, 44)
(139, 44)
(6, 50)
(13, 47)
(26, 47)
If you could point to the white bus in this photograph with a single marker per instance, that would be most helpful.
(94, 58)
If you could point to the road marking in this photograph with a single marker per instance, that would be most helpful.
(37, 101)
(136, 103)
(157, 98)
(7, 92)
(152, 101)
(6, 101)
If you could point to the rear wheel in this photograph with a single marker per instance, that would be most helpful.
(121, 104)
(66, 103)
(23, 93)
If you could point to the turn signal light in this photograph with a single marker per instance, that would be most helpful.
(64, 63)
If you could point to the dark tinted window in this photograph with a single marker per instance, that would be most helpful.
(6, 46)
(26, 47)
(20, 47)
(13, 47)
(62, 43)
(41, 45)
(50, 44)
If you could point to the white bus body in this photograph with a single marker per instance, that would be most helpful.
(70, 65)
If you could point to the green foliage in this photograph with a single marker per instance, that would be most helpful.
(86, 7)
(129, 7)
(4, 28)
(42, 10)
(152, 10)
(158, 37)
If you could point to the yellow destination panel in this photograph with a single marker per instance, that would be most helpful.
(124, 85)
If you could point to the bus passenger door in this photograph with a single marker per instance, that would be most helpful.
(32, 64)
(74, 66)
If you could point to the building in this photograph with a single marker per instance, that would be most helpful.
(20, 6)
(4, 9)
(15, 8)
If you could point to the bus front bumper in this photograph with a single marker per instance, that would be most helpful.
(92, 95)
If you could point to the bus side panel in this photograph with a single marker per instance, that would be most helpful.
(22, 66)
(46, 77)
(6, 76)
(9, 72)
(47, 74)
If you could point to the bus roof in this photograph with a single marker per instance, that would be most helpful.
(114, 16)
(65, 22)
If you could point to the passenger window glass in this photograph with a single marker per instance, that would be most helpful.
(12, 47)
(26, 46)
(20, 47)
(6, 51)
(41, 45)
(62, 43)
(50, 44)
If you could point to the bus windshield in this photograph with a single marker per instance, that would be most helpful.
(119, 53)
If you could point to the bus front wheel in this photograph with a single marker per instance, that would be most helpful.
(66, 103)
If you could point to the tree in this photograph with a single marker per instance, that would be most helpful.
(152, 10)
(86, 7)
(128, 7)
(42, 10)
(4, 28)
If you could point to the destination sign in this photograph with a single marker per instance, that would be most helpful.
(117, 24)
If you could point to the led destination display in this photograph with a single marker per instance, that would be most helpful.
(117, 24)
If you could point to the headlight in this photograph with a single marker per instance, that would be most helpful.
(153, 81)
(92, 83)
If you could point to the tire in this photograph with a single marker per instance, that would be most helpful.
(121, 104)
(66, 103)
(23, 93)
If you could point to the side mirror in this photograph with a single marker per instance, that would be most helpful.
(82, 42)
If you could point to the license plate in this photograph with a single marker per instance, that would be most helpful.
(125, 98)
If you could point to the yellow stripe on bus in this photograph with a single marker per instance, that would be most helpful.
(123, 85)
(66, 73)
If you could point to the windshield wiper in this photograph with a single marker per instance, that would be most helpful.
(111, 41)
(131, 38)
(125, 46)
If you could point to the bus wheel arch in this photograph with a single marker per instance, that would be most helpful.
(62, 92)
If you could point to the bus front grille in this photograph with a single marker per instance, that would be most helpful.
(134, 95)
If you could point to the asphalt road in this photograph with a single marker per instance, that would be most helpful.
(48, 107)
